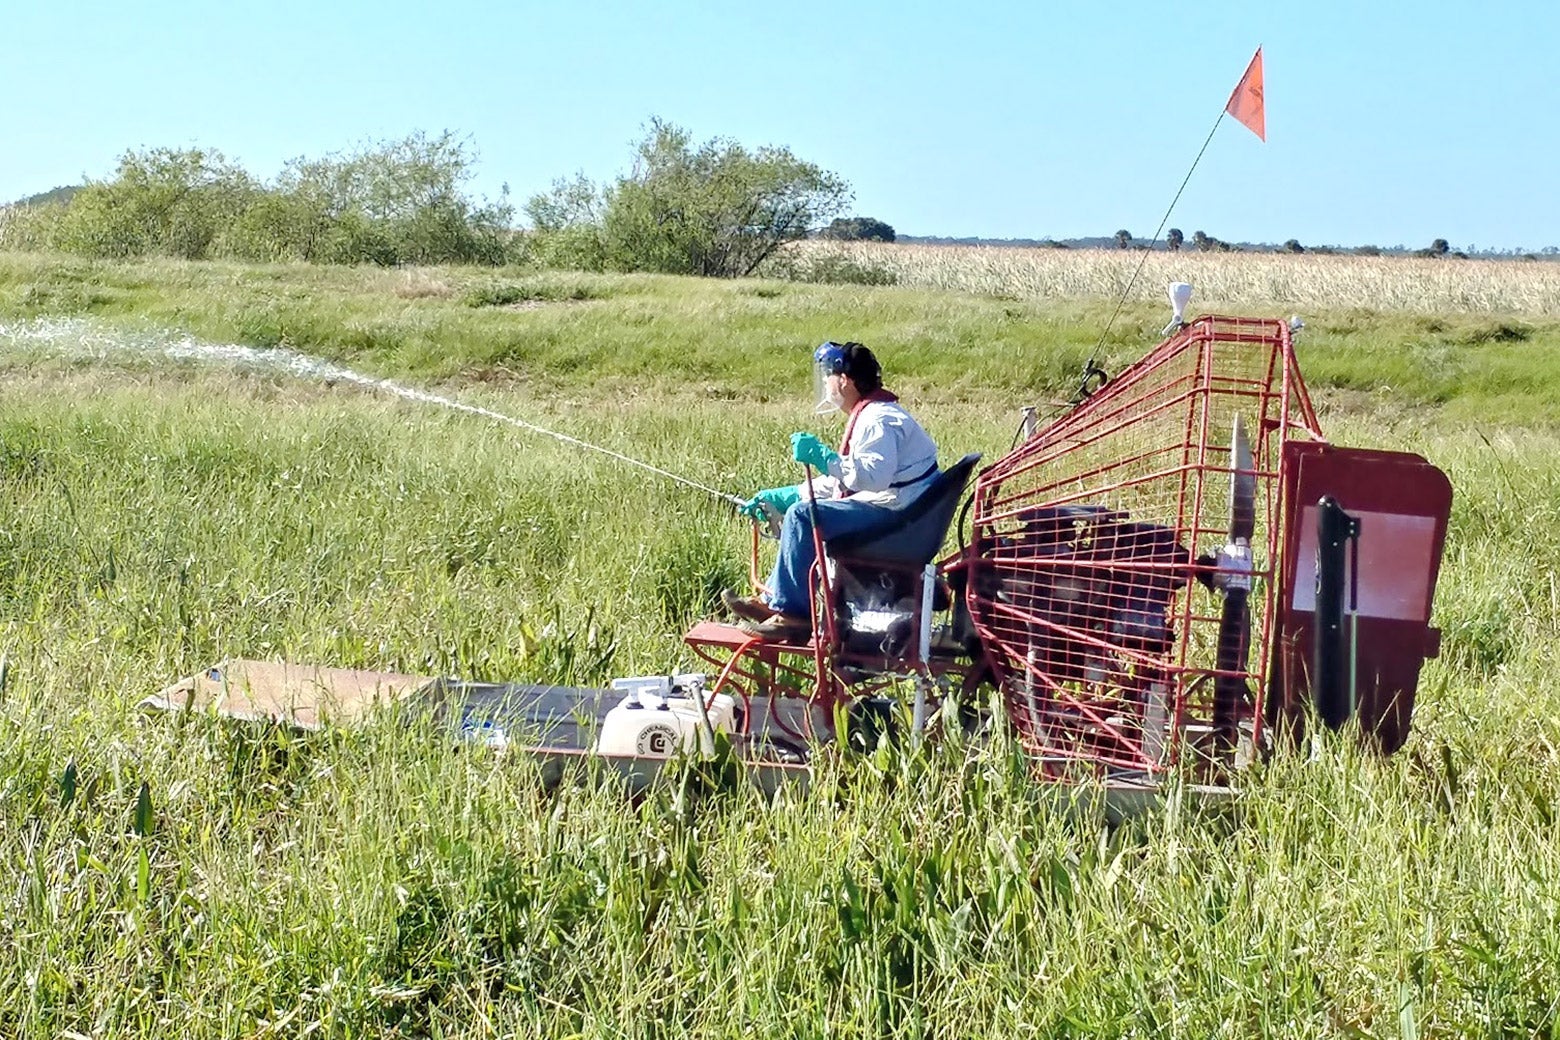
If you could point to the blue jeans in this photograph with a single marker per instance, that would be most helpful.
(788, 588)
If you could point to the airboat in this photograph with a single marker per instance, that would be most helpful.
(1162, 581)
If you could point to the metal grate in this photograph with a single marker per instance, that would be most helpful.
(1097, 580)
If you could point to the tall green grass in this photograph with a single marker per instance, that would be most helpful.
(177, 876)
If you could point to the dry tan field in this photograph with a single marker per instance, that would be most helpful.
(1305, 281)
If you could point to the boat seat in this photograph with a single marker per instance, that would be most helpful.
(879, 576)
(914, 534)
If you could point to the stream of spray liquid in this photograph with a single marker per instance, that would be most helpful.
(72, 338)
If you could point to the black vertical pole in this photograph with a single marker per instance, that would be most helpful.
(1330, 685)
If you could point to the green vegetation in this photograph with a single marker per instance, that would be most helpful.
(167, 876)
(397, 202)
(714, 209)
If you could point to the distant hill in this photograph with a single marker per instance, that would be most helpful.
(61, 194)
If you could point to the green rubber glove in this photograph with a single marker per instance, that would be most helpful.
(809, 450)
(781, 498)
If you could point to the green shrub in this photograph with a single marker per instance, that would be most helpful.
(578, 248)
(401, 202)
(354, 239)
(164, 201)
(31, 228)
(715, 209)
(277, 226)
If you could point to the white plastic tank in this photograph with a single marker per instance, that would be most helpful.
(659, 716)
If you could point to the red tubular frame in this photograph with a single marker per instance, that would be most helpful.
(1082, 573)
(1082, 582)
(751, 668)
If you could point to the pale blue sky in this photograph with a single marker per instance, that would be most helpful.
(1388, 123)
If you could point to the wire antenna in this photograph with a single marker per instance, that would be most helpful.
(1091, 368)
(1246, 103)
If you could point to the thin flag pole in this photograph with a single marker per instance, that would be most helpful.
(1246, 105)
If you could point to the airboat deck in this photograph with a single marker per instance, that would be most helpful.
(553, 725)
(557, 725)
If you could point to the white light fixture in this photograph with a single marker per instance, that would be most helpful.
(1180, 295)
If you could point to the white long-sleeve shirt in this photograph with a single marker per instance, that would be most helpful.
(887, 447)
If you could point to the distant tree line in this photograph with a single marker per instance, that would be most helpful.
(715, 208)
(1175, 240)
(396, 202)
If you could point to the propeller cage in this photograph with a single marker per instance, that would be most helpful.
(1126, 619)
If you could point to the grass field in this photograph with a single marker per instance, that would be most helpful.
(168, 877)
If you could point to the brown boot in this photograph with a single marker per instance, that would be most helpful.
(780, 628)
(749, 608)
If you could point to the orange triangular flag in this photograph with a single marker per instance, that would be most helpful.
(1246, 100)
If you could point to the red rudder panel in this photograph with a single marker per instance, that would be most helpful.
(1397, 505)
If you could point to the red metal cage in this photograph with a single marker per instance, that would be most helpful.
(1123, 621)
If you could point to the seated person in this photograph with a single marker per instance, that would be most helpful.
(884, 463)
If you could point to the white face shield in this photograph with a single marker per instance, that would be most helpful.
(828, 374)
(826, 391)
